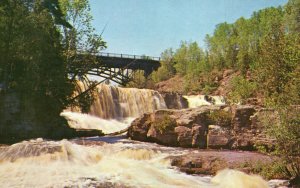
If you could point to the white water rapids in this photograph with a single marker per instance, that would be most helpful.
(108, 161)
(200, 100)
(121, 163)
(84, 121)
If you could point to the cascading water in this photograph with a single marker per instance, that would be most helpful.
(115, 108)
(116, 103)
(200, 100)
(85, 121)
(107, 161)
(40, 163)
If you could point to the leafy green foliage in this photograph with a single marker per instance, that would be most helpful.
(287, 135)
(268, 171)
(164, 123)
(292, 14)
(81, 37)
(31, 59)
(139, 80)
(264, 49)
(220, 117)
(241, 89)
(34, 54)
(167, 69)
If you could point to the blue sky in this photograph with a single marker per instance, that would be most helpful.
(151, 26)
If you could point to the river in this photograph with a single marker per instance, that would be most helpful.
(113, 161)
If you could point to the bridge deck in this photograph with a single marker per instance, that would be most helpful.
(144, 57)
(116, 66)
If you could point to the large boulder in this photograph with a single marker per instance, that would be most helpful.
(215, 127)
(211, 161)
(140, 127)
(249, 128)
(185, 128)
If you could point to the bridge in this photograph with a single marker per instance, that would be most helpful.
(119, 68)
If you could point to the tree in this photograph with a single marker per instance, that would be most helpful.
(81, 37)
(241, 89)
(167, 69)
(139, 80)
(276, 64)
(222, 47)
(80, 44)
(287, 133)
(292, 16)
(181, 58)
(32, 64)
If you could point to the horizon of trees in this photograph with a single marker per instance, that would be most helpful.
(264, 49)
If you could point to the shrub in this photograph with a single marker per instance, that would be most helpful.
(266, 170)
(287, 135)
(139, 80)
(220, 117)
(164, 123)
(161, 74)
(208, 89)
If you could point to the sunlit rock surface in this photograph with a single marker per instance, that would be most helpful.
(214, 126)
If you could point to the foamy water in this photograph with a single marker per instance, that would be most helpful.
(84, 166)
(63, 163)
(201, 100)
(118, 162)
(86, 121)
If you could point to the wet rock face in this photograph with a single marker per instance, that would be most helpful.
(218, 137)
(20, 120)
(241, 116)
(216, 127)
(174, 100)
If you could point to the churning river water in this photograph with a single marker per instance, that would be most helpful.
(108, 161)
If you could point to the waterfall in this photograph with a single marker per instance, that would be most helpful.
(85, 121)
(200, 100)
(117, 103)
(115, 108)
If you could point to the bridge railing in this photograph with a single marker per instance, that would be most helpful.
(104, 54)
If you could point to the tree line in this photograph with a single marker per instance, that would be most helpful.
(264, 49)
(264, 52)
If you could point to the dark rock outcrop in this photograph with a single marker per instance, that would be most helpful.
(216, 127)
(241, 116)
(174, 100)
(20, 120)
